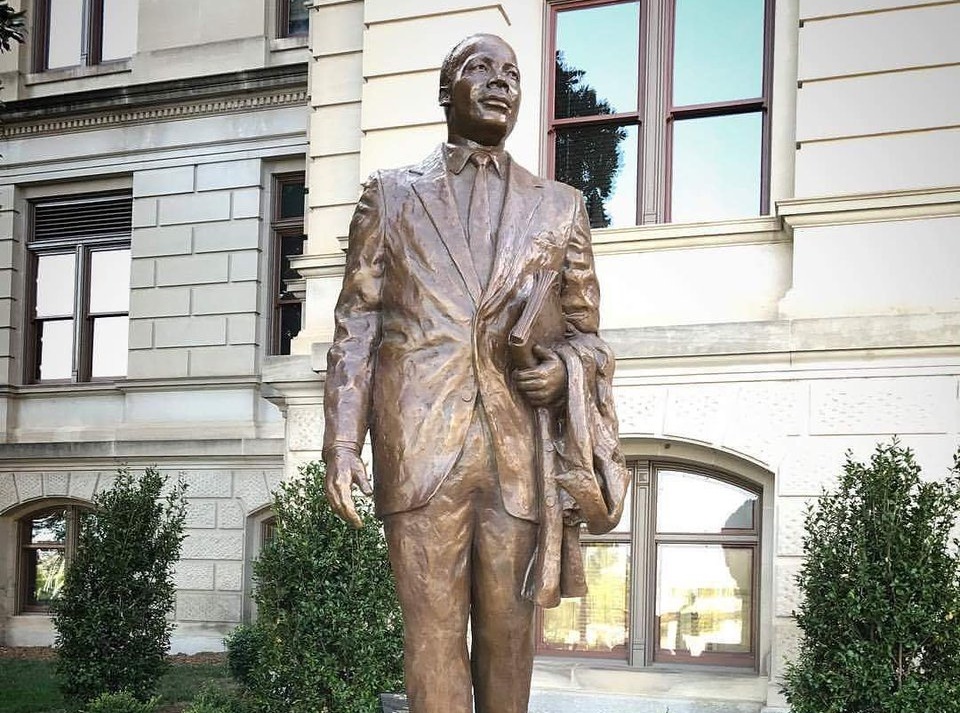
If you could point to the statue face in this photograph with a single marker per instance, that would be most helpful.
(484, 98)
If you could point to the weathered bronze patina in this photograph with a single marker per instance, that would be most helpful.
(466, 345)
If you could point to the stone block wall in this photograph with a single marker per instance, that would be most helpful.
(212, 576)
(195, 287)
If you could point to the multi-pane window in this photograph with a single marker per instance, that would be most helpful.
(596, 624)
(707, 535)
(292, 18)
(676, 581)
(70, 33)
(660, 108)
(80, 254)
(288, 241)
(48, 540)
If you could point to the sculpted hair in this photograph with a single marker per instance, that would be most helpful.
(455, 58)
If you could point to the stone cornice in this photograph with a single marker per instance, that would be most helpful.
(870, 207)
(247, 90)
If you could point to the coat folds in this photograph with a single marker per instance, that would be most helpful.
(419, 341)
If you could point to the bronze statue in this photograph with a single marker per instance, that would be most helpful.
(487, 457)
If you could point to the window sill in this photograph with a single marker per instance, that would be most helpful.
(285, 44)
(65, 74)
(661, 236)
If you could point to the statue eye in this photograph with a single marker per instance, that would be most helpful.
(478, 67)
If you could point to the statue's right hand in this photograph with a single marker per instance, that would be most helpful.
(344, 470)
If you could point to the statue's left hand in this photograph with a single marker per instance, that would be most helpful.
(544, 384)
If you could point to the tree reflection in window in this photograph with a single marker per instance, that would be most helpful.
(587, 157)
(47, 542)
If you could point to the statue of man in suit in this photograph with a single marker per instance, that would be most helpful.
(440, 264)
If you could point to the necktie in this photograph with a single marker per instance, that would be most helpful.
(478, 219)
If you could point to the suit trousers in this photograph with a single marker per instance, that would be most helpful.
(462, 556)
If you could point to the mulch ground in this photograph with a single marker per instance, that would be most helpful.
(45, 653)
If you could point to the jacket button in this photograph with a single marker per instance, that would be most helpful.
(468, 394)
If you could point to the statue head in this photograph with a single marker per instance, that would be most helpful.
(480, 90)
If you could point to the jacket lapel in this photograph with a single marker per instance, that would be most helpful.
(523, 195)
(433, 189)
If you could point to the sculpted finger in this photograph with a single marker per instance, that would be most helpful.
(361, 479)
(348, 510)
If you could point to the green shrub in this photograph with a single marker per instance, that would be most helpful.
(327, 608)
(215, 699)
(880, 617)
(121, 702)
(111, 619)
(243, 649)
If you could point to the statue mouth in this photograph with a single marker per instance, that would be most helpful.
(497, 102)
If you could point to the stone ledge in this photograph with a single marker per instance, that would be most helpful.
(916, 331)
(118, 451)
(826, 334)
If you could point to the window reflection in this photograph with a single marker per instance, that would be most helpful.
(48, 572)
(48, 528)
(704, 599)
(55, 285)
(110, 341)
(689, 502)
(601, 160)
(593, 47)
(718, 51)
(297, 17)
(110, 280)
(46, 538)
(64, 41)
(55, 349)
(119, 29)
(716, 167)
(597, 622)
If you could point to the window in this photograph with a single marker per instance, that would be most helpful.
(660, 108)
(48, 540)
(83, 32)
(288, 241)
(705, 558)
(675, 582)
(80, 255)
(596, 624)
(292, 18)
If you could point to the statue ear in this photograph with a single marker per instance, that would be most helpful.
(444, 97)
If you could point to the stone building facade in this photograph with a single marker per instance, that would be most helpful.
(757, 338)
(183, 134)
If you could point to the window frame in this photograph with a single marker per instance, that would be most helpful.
(24, 584)
(91, 35)
(283, 21)
(656, 115)
(642, 642)
(625, 537)
(280, 228)
(82, 248)
(748, 539)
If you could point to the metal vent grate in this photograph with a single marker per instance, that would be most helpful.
(83, 217)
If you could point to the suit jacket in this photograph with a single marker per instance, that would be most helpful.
(418, 339)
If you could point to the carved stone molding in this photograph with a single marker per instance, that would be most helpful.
(243, 91)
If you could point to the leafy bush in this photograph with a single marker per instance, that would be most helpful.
(327, 608)
(215, 699)
(121, 702)
(880, 618)
(111, 620)
(243, 649)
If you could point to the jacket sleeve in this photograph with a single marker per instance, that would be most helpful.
(579, 289)
(351, 359)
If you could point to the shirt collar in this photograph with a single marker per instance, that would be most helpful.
(457, 155)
